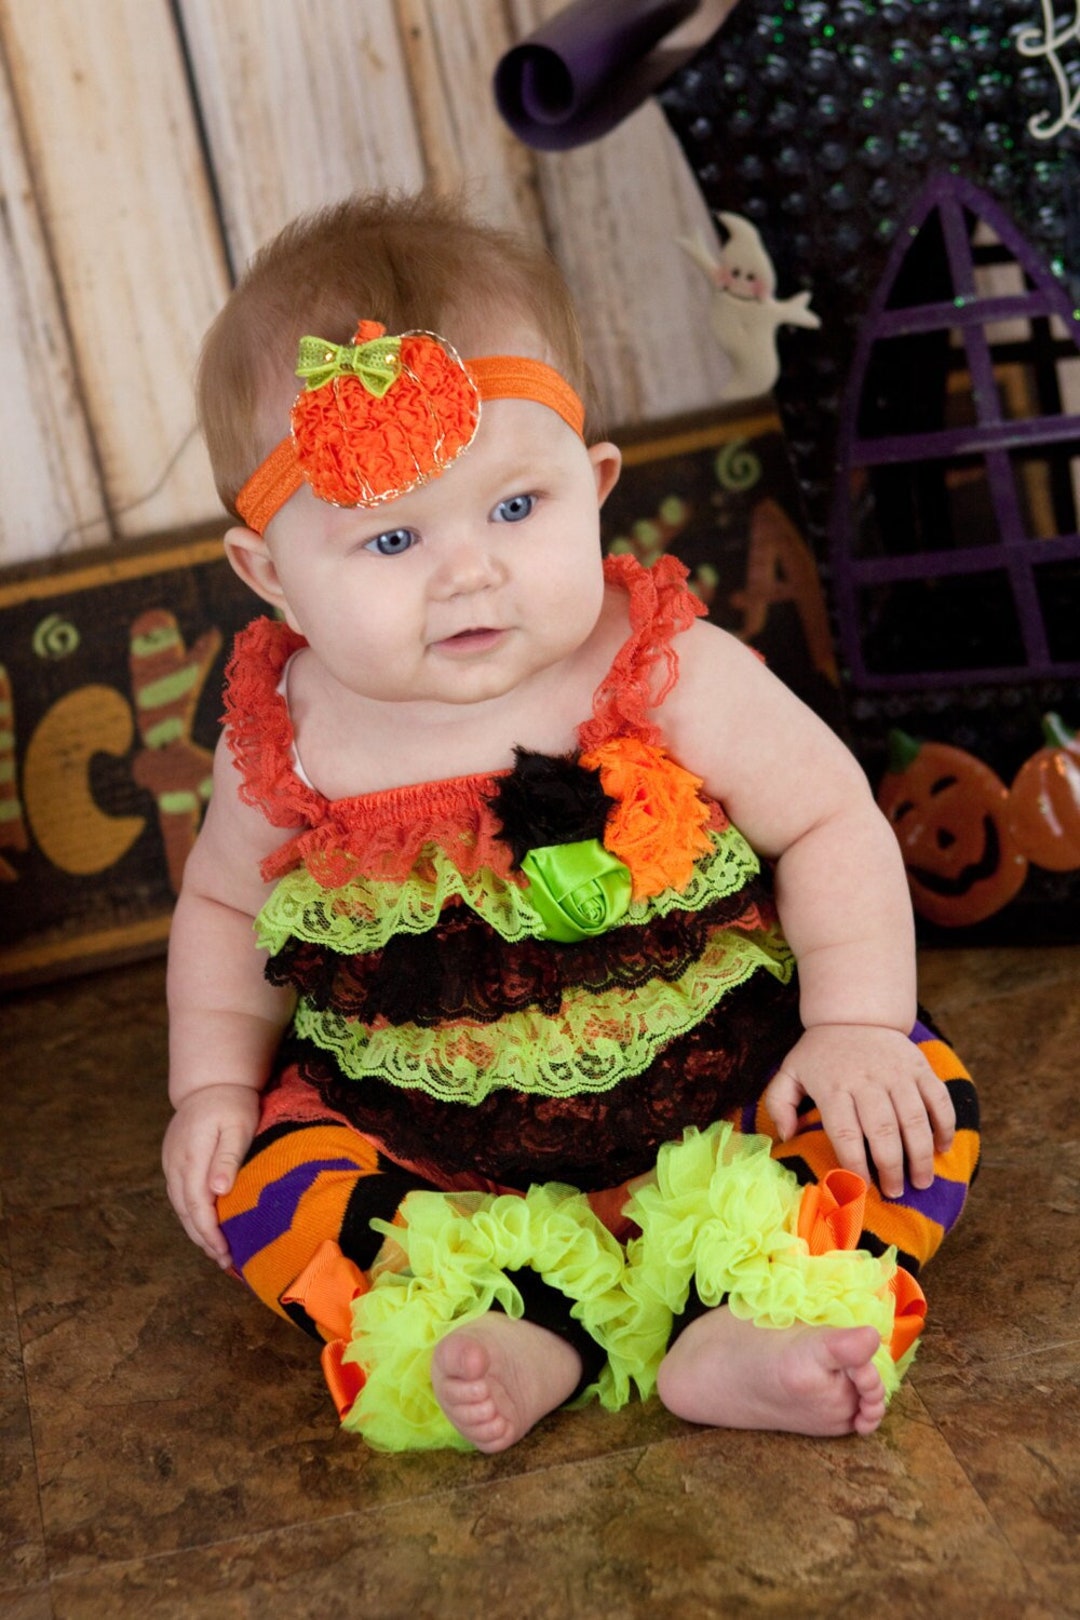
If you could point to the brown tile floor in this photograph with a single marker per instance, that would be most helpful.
(168, 1449)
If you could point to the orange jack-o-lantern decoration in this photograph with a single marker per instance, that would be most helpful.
(950, 815)
(1044, 802)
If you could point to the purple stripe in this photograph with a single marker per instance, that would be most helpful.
(942, 1201)
(254, 1229)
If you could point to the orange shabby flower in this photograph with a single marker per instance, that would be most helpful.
(658, 826)
(356, 449)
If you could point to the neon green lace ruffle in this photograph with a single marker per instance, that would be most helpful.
(457, 1250)
(364, 914)
(597, 1039)
(723, 1214)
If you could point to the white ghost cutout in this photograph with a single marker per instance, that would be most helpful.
(744, 315)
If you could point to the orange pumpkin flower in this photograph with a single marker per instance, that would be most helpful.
(358, 447)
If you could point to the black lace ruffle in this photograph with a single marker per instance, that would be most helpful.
(592, 1141)
(463, 969)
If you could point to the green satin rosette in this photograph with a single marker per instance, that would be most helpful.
(577, 890)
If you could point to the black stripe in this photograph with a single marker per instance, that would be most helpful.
(965, 1100)
(375, 1197)
(287, 1127)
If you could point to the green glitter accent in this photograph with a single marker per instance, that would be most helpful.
(178, 804)
(155, 641)
(169, 688)
(168, 731)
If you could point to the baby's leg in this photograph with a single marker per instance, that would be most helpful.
(731, 1374)
(496, 1378)
(304, 1182)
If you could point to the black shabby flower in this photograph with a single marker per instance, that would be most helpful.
(548, 799)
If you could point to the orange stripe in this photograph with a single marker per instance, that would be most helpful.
(943, 1060)
(319, 1215)
(286, 1152)
(514, 376)
(273, 482)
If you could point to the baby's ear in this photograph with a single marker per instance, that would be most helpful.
(250, 558)
(606, 461)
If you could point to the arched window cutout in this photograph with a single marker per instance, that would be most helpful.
(955, 531)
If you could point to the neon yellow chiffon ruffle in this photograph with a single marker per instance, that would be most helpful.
(722, 1215)
(719, 1214)
(457, 1249)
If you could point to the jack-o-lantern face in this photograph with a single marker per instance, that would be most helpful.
(949, 813)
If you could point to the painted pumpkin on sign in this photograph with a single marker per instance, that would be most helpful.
(1044, 801)
(949, 812)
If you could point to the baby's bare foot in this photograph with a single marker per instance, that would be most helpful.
(802, 1380)
(497, 1377)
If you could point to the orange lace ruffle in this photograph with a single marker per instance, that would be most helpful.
(260, 732)
(384, 835)
(388, 835)
(659, 824)
(660, 607)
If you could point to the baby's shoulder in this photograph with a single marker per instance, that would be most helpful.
(712, 660)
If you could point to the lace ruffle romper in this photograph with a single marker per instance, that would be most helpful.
(527, 983)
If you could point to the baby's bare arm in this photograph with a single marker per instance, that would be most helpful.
(225, 1020)
(802, 800)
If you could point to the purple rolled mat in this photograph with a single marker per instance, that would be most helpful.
(586, 69)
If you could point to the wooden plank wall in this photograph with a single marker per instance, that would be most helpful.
(147, 147)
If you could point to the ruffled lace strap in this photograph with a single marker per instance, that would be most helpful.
(661, 606)
(260, 732)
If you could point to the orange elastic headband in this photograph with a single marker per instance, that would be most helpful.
(386, 414)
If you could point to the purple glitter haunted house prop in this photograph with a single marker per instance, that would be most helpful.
(913, 164)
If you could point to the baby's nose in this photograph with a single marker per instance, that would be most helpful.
(469, 565)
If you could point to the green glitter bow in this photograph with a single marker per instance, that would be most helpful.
(377, 363)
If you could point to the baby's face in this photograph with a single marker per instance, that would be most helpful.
(464, 589)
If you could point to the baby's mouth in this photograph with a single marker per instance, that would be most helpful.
(474, 639)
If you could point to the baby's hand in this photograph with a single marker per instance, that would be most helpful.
(873, 1087)
(203, 1149)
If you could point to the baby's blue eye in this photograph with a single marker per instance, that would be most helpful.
(393, 542)
(514, 509)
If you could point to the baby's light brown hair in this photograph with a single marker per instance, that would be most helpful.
(413, 262)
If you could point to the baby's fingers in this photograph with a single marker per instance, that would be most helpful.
(200, 1222)
(845, 1131)
(918, 1139)
(228, 1157)
(781, 1098)
(939, 1106)
(195, 1209)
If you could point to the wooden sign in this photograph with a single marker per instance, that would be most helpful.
(110, 691)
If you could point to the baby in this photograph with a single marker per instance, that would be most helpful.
(542, 986)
